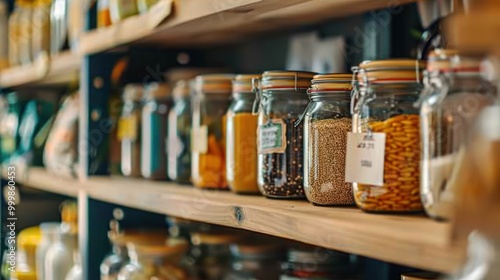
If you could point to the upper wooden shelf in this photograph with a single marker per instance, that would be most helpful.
(414, 241)
(59, 69)
(211, 22)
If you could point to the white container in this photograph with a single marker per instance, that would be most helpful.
(59, 258)
(49, 235)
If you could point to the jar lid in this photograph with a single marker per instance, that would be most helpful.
(419, 276)
(29, 237)
(183, 88)
(157, 90)
(215, 83)
(338, 82)
(286, 80)
(391, 71)
(133, 92)
(244, 83)
(169, 247)
(440, 59)
(213, 238)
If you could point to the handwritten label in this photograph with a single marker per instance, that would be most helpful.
(365, 158)
(199, 139)
(272, 137)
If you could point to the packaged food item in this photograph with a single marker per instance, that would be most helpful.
(103, 14)
(121, 9)
(282, 99)
(41, 28)
(155, 110)
(61, 149)
(454, 95)
(158, 261)
(384, 108)
(144, 5)
(59, 25)
(327, 120)
(241, 143)
(129, 130)
(179, 134)
(208, 158)
(25, 32)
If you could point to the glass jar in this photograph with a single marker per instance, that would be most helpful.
(210, 255)
(26, 32)
(75, 273)
(310, 263)
(212, 99)
(129, 130)
(41, 28)
(282, 98)
(59, 257)
(27, 242)
(454, 96)
(256, 260)
(161, 262)
(179, 134)
(49, 233)
(387, 94)
(241, 142)
(154, 129)
(10, 127)
(327, 120)
(144, 5)
(103, 14)
(121, 9)
(14, 33)
(4, 30)
(59, 12)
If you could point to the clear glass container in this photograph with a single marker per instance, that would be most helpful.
(327, 120)
(121, 9)
(455, 94)
(179, 134)
(14, 33)
(59, 12)
(41, 28)
(59, 257)
(103, 14)
(129, 130)
(49, 233)
(210, 254)
(212, 99)
(241, 142)
(159, 262)
(282, 99)
(315, 263)
(26, 32)
(4, 31)
(155, 110)
(385, 104)
(75, 272)
(256, 260)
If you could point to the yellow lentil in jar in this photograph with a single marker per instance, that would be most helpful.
(401, 189)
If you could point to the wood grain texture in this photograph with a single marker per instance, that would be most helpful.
(414, 241)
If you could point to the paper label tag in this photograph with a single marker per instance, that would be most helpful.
(199, 139)
(127, 128)
(365, 158)
(272, 137)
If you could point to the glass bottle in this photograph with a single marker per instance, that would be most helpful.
(58, 25)
(455, 94)
(282, 100)
(161, 262)
(14, 33)
(129, 130)
(212, 99)
(103, 14)
(26, 32)
(4, 33)
(388, 90)
(27, 242)
(41, 28)
(59, 257)
(49, 233)
(327, 120)
(75, 272)
(241, 142)
(154, 130)
(179, 134)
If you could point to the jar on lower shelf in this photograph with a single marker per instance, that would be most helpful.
(385, 107)
(282, 99)
(327, 120)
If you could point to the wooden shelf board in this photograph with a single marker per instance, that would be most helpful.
(202, 22)
(414, 241)
(61, 68)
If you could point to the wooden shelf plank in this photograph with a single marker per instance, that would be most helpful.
(61, 68)
(414, 241)
(212, 22)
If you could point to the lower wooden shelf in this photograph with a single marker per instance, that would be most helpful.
(414, 241)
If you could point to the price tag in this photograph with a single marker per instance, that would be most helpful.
(365, 158)
(199, 139)
(272, 137)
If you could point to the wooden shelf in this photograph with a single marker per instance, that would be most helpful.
(212, 22)
(414, 241)
(59, 69)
